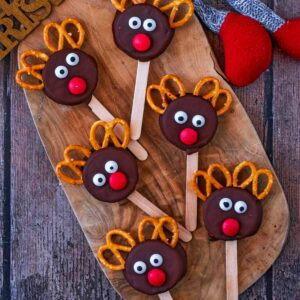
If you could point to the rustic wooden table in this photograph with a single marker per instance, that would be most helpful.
(44, 253)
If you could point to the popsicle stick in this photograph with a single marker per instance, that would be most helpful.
(232, 288)
(165, 296)
(139, 97)
(150, 209)
(102, 113)
(190, 197)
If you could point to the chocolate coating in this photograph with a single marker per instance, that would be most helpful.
(96, 165)
(192, 106)
(57, 88)
(174, 265)
(214, 216)
(160, 38)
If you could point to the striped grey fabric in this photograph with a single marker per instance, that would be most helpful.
(210, 16)
(258, 11)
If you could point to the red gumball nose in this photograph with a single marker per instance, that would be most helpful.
(118, 181)
(141, 42)
(188, 136)
(157, 277)
(77, 86)
(231, 227)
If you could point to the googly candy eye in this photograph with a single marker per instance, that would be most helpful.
(135, 23)
(72, 59)
(149, 25)
(139, 267)
(61, 72)
(111, 167)
(198, 121)
(99, 179)
(240, 207)
(225, 204)
(180, 117)
(156, 260)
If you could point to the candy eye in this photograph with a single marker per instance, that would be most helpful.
(139, 267)
(61, 72)
(198, 121)
(156, 260)
(240, 207)
(180, 117)
(135, 23)
(72, 59)
(225, 204)
(111, 167)
(149, 25)
(99, 179)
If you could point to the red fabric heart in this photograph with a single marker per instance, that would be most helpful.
(288, 38)
(247, 49)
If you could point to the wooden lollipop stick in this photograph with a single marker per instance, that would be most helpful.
(165, 296)
(102, 113)
(232, 288)
(150, 209)
(190, 197)
(139, 97)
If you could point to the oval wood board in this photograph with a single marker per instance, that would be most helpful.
(162, 176)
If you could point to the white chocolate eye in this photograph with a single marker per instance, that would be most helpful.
(139, 267)
(198, 121)
(149, 25)
(225, 204)
(156, 260)
(99, 179)
(135, 23)
(180, 117)
(72, 59)
(61, 72)
(240, 207)
(111, 167)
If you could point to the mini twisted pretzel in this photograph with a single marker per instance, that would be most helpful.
(109, 134)
(115, 249)
(121, 5)
(159, 231)
(174, 6)
(214, 95)
(238, 169)
(72, 164)
(210, 180)
(31, 69)
(164, 92)
(267, 189)
(64, 35)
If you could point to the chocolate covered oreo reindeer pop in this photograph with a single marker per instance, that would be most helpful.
(189, 122)
(152, 266)
(144, 31)
(68, 76)
(109, 171)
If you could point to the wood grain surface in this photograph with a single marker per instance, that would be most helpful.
(45, 255)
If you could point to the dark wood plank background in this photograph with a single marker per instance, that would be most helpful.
(43, 253)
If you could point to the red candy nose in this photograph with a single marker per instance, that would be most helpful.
(157, 277)
(118, 181)
(188, 136)
(231, 227)
(141, 42)
(77, 86)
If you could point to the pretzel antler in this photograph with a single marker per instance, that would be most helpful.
(109, 134)
(121, 5)
(210, 180)
(159, 230)
(175, 6)
(72, 164)
(164, 92)
(115, 249)
(33, 70)
(214, 95)
(63, 35)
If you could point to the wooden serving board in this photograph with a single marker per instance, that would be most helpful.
(162, 176)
